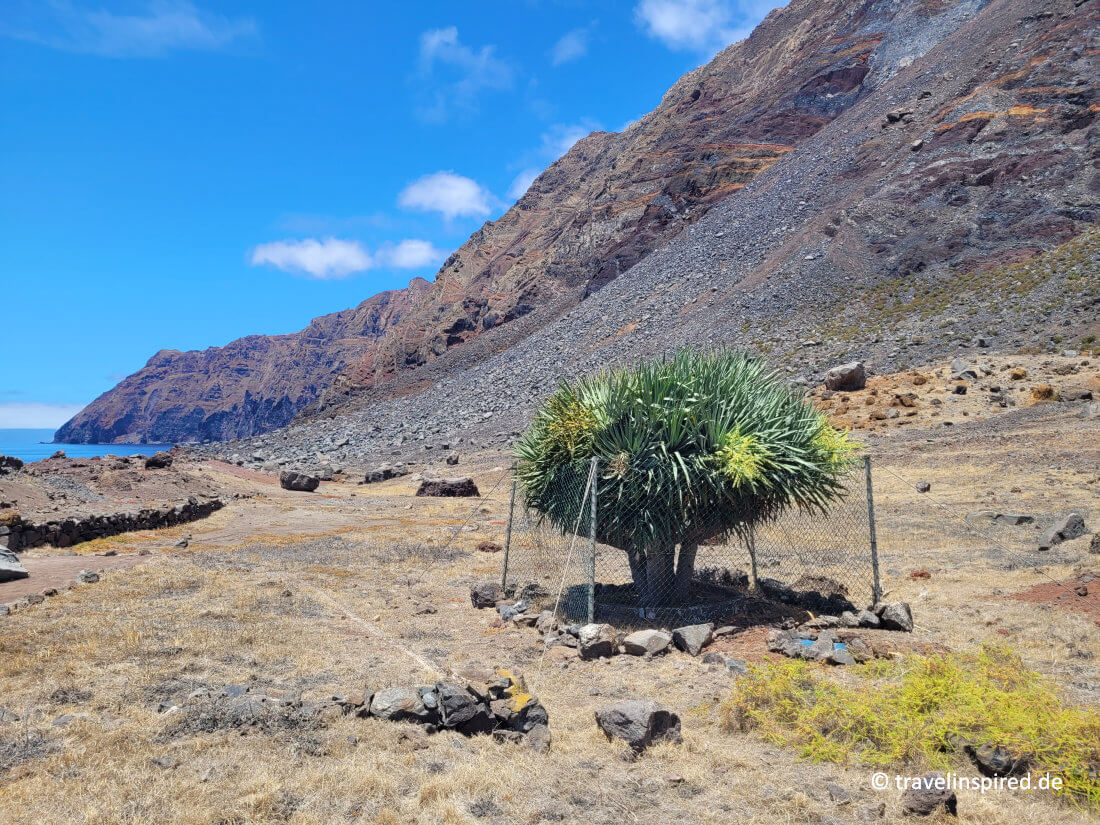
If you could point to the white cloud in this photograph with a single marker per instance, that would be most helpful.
(162, 27)
(453, 75)
(329, 258)
(335, 258)
(450, 194)
(522, 182)
(410, 254)
(572, 46)
(700, 25)
(36, 415)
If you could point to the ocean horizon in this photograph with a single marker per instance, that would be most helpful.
(36, 444)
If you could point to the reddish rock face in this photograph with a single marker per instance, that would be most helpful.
(249, 386)
(962, 123)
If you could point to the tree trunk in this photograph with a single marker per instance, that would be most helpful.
(638, 574)
(685, 571)
(661, 576)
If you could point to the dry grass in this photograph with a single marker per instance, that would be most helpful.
(240, 607)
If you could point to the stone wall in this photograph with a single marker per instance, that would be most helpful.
(19, 534)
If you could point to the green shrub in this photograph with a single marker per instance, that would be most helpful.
(921, 711)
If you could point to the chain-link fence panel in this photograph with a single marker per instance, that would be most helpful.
(631, 571)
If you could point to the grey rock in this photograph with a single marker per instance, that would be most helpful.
(399, 704)
(642, 642)
(868, 619)
(930, 795)
(1067, 527)
(10, 567)
(457, 706)
(962, 371)
(538, 739)
(87, 577)
(448, 487)
(639, 723)
(846, 377)
(897, 616)
(486, 594)
(596, 640)
(693, 638)
(995, 760)
(159, 460)
(298, 482)
(452, 459)
(737, 667)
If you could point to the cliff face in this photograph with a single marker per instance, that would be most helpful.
(615, 197)
(851, 147)
(249, 386)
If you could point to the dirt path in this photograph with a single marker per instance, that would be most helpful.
(58, 572)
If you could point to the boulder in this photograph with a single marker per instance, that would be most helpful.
(384, 472)
(448, 487)
(538, 739)
(962, 371)
(452, 459)
(457, 706)
(596, 640)
(1065, 528)
(995, 760)
(930, 794)
(846, 377)
(639, 723)
(298, 482)
(10, 568)
(87, 577)
(486, 594)
(643, 642)
(159, 460)
(693, 638)
(896, 616)
(10, 465)
(399, 704)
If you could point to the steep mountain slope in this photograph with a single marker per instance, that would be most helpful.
(911, 228)
(249, 386)
(590, 217)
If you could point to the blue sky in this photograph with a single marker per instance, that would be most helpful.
(176, 175)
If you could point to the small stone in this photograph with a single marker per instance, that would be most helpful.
(923, 486)
(929, 795)
(486, 594)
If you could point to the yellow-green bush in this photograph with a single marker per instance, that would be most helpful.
(921, 711)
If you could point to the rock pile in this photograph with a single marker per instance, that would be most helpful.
(19, 534)
(501, 706)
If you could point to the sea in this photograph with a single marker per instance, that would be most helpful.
(34, 445)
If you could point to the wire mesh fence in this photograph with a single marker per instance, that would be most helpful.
(610, 565)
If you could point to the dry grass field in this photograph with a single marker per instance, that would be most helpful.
(367, 587)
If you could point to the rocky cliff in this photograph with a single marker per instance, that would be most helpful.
(249, 386)
(848, 156)
(951, 212)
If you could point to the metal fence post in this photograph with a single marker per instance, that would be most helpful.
(593, 475)
(752, 556)
(508, 536)
(876, 587)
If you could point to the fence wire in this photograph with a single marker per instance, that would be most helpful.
(817, 558)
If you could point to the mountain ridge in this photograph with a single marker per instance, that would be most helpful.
(856, 49)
